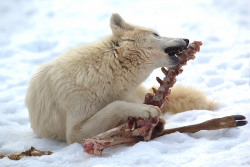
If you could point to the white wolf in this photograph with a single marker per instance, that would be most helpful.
(95, 87)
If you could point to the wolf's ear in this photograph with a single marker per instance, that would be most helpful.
(118, 25)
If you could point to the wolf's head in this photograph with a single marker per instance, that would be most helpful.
(136, 42)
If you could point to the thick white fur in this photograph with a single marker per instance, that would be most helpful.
(95, 87)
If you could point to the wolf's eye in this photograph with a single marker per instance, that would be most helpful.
(156, 35)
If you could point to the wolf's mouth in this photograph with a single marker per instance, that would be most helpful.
(174, 50)
(173, 53)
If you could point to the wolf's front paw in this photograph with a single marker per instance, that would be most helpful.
(146, 111)
(152, 111)
(126, 109)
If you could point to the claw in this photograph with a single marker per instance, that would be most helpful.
(239, 117)
(240, 120)
(241, 123)
(159, 127)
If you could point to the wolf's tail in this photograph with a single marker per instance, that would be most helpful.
(184, 98)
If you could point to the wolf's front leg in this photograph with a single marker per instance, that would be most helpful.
(107, 118)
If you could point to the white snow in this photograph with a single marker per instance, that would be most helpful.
(34, 32)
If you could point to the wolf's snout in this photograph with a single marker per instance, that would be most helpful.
(187, 41)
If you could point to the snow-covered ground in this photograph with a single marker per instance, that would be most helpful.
(34, 32)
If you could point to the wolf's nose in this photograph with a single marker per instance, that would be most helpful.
(187, 41)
